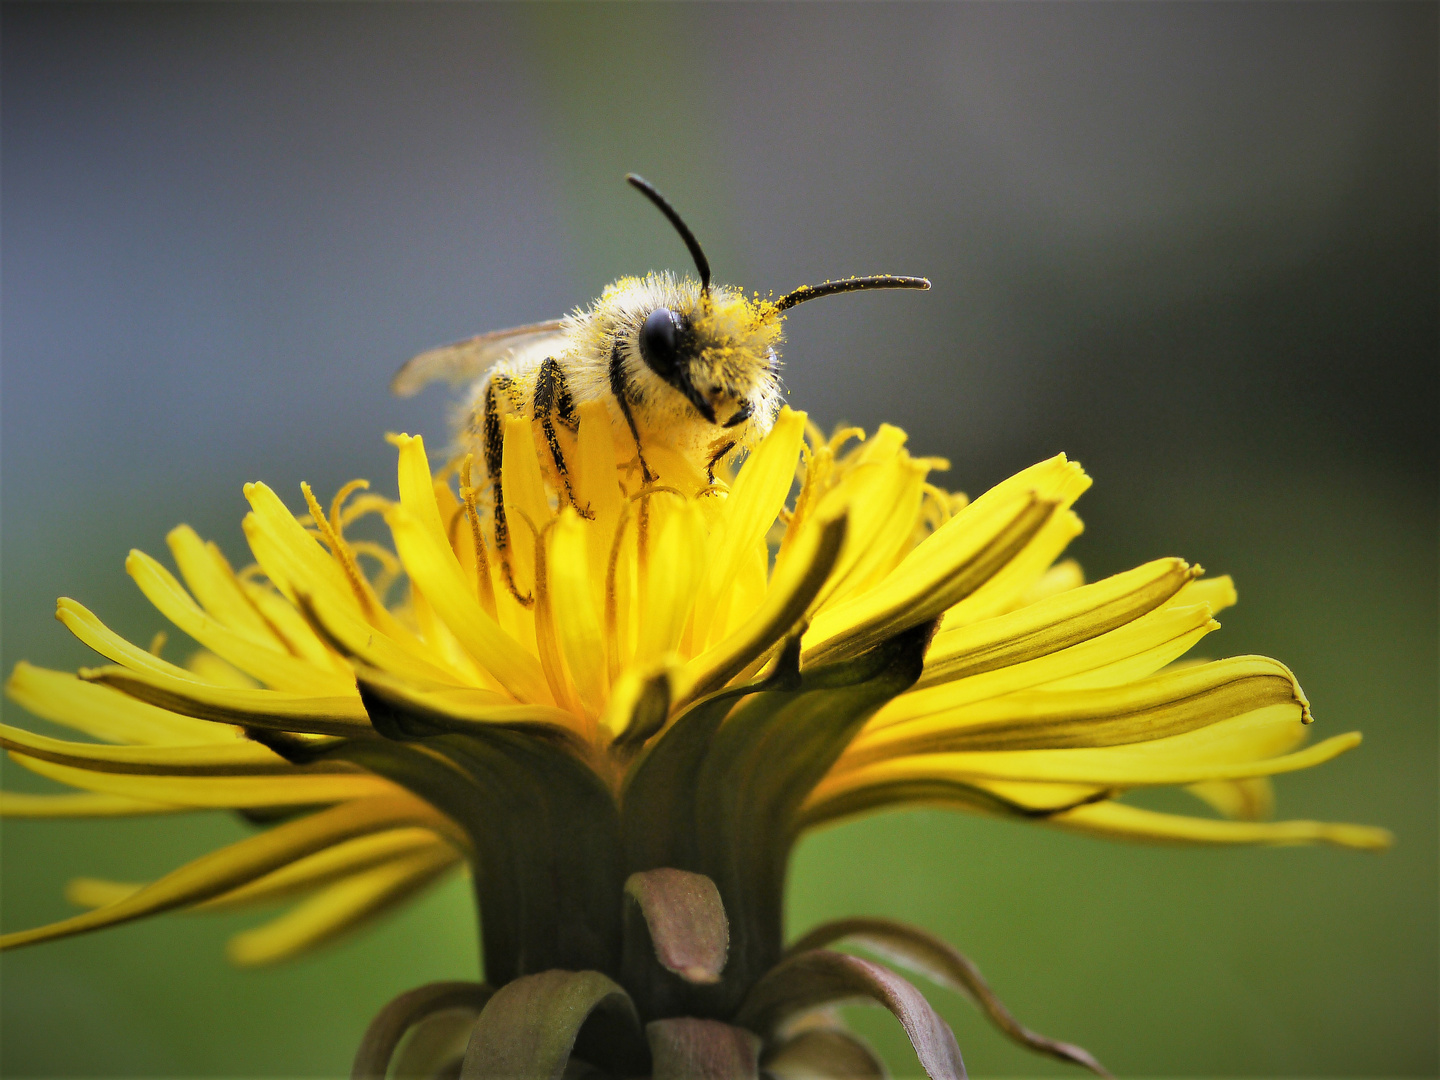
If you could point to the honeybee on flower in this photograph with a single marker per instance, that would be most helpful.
(689, 368)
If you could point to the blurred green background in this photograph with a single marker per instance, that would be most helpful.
(1194, 246)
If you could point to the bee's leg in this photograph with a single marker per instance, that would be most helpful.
(620, 387)
(493, 444)
(741, 415)
(565, 406)
(552, 394)
(715, 459)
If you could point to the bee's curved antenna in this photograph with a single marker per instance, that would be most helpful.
(854, 284)
(702, 264)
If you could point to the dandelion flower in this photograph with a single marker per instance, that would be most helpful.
(622, 723)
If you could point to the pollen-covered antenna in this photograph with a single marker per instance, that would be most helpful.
(702, 264)
(854, 284)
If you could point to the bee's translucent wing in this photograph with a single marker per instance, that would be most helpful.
(469, 359)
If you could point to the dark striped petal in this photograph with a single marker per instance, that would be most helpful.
(531, 1026)
(685, 921)
(819, 977)
(824, 1053)
(689, 1049)
(676, 942)
(927, 955)
(434, 1049)
(372, 1060)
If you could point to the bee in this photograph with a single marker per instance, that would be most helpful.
(690, 365)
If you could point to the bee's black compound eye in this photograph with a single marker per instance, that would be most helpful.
(659, 338)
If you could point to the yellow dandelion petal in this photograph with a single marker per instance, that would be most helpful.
(1136, 651)
(792, 590)
(439, 639)
(419, 500)
(546, 637)
(318, 714)
(208, 667)
(289, 624)
(351, 636)
(466, 536)
(578, 629)
(1055, 623)
(313, 582)
(104, 713)
(1023, 799)
(228, 792)
(97, 892)
(1162, 762)
(1121, 657)
(621, 587)
(419, 495)
(639, 703)
(1057, 481)
(1165, 704)
(83, 623)
(1244, 800)
(304, 875)
(881, 495)
(307, 567)
(885, 445)
(747, 593)
(750, 509)
(1064, 576)
(672, 566)
(1004, 591)
(930, 580)
(671, 468)
(525, 496)
(339, 908)
(344, 557)
(461, 705)
(85, 804)
(218, 872)
(250, 654)
(335, 863)
(597, 487)
(1041, 799)
(208, 759)
(1056, 478)
(209, 577)
(436, 573)
(1123, 822)
(1218, 592)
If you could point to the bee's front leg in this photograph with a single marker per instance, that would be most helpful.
(552, 395)
(620, 387)
(493, 444)
(715, 457)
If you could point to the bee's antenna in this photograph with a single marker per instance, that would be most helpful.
(854, 284)
(702, 264)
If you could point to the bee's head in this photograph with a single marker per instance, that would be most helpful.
(716, 345)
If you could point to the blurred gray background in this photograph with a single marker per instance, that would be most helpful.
(1194, 246)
